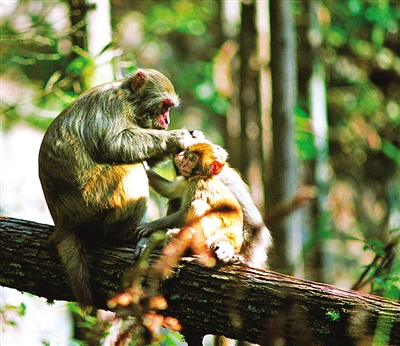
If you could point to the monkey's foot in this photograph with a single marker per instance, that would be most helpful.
(225, 252)
(140, 247)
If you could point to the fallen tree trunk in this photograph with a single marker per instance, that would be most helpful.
(237, 301)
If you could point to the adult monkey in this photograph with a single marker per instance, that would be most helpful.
(90, 165)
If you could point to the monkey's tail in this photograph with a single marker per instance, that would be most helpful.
(76, 263)
(255, 248)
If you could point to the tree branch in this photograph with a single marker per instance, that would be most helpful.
(236, 301)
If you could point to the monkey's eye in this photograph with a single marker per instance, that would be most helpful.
(191, 159)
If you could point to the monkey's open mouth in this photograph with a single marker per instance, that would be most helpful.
(164, 120)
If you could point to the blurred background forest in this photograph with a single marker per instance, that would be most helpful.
(304, 95)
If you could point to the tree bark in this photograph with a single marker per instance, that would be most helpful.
(237, 301)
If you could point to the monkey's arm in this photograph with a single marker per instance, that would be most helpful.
(169, 189)
(175, 220)
(166, 188)
(138, 144)
(118, 142)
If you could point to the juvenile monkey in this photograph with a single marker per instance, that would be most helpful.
(206, 204)
(256, 236)
(90, 165)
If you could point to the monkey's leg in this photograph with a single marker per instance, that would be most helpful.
(123, 230)
(121, 194)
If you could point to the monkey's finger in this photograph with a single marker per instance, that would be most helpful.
(237, 259)
(138, 233)
(197, 134)
(144, 231)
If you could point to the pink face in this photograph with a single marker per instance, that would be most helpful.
(189, 162)
(163, 118)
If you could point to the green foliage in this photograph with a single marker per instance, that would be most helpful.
(30, 46)
(185, 38)
(186, 17)
(304, 135)
(34, 58)
(375, 245)
(362, 61)
(96, 330)
(388, 285)
(79, 65)
(89, 328)
(171, 338)
(384, 271)
(391, 151)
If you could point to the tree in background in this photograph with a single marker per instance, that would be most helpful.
(285, 172)
(251, 144)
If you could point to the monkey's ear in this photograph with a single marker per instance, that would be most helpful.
(139, 80)
(217, 166)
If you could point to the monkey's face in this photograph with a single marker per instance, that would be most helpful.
(201, 160)
(189, 163)
(151, 95)
(155, 112)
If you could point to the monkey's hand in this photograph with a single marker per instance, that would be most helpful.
(187, 138)
(182, 138)
(225, 252)
(145, 230)
(198, 135)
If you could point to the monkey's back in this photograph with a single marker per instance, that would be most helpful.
(79, 177)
